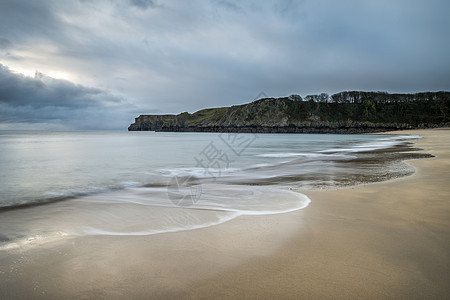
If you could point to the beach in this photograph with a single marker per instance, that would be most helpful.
(384, 240)
(381, 240)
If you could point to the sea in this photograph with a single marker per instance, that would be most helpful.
(55, 184)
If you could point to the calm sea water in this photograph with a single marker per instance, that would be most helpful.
(134, 183)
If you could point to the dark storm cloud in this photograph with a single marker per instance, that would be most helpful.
(178, 55)
(34, 100)
(42, 91)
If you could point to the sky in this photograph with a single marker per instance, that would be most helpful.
(98, 64)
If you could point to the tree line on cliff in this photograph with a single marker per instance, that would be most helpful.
(350, 111)
(428, 108)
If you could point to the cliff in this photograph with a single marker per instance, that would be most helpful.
(339, 113)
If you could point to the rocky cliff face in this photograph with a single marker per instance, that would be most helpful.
(281, 115)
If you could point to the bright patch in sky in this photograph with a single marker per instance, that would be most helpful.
(23, 71)
(60, 75)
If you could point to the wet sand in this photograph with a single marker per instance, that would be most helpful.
(384, 240)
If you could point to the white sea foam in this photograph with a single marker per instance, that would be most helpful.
(34, 240)
(145, 211)
(290, 154)
(377, 144)
(214, 197)
(199, 172)
(261, 166)
(94, 231)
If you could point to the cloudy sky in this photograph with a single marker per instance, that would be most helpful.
(97, 64)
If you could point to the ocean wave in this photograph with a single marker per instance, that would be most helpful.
(144, 205)
(143, 211)
(377, 144)
(291, 154)
(67, 194)
(198, 172)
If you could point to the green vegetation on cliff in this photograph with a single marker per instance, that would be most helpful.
(340, 113)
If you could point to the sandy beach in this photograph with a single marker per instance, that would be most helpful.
(383, 240)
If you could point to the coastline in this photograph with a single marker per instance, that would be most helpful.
(384, 240)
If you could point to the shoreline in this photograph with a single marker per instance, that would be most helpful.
(386, 239)
(52, 199)
(378, 240)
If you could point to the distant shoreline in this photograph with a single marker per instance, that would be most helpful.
(345, 112)
(290, 130)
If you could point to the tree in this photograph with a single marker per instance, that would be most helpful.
(295, 97)
(324, 97)
(312, 98)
